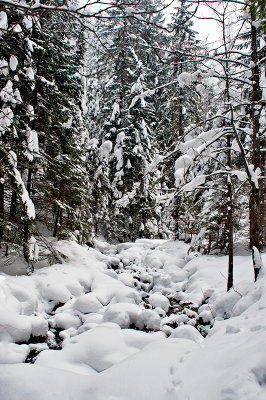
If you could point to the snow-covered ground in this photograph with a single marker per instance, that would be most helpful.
(134, 321)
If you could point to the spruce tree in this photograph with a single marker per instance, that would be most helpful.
(126, 122)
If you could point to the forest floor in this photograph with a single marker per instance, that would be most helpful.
(133, 321)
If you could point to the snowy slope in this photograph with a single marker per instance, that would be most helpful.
(133, 321)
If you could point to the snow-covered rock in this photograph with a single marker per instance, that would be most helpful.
(158, 300)
(87, 303)
(187, 332)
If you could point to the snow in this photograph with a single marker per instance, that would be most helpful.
(30, 209)
(241, 175)
(158, 300)
(185, 78)
(4, 67)
(116, 111)
(17, 28)
(6, 92)
(192, 148)
(29, 206)
(118, 154)
(257, 259)
(32, 143)
(12, 158)
(13, 62)
(105, 150)
(255, 175)
(87, 303)
(30, 112)
(3, 22)
(11, 353)
(197, 181)
(140, 320)
(30, 73)
(181, 165)
(17, 96)
(33, 249)
(27, 22)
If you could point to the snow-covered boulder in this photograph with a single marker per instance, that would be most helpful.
(187, 332)
(14, 327)
(87, 303)
(66, 320)
(158, 300)
(123, 314)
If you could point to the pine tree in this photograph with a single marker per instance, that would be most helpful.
(19, 144)
(58, 61)
(126, 122)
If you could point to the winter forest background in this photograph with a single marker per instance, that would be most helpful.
(132, 221)
(117, 124)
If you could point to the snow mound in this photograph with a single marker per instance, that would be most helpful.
(87, 303)
(187, 332)
(158, 300)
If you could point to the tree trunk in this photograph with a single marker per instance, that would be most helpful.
(57, 219)
(229, 219)
(13, 206)
(180, 113)
(256, 192)
(27, 226)
(2, 196)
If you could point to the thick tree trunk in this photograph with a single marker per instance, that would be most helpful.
(256, 204)
(257, 192)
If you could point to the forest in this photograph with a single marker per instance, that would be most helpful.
(132, 173)
(116, 123)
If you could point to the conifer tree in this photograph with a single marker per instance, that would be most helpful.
(126, 122)
(19, 143)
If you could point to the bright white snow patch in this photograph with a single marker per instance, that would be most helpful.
(3, 22)
(105, 150)
(13, 62)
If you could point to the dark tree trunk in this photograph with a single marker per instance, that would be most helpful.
(13, 206)
(256, 193)
(229, 222)
(229, 219)
(256, 205)
(209, 244)
(27, 224)
(2, 198)
(58, 219)
(180, 113)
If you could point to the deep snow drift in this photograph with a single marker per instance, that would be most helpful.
(133, 321)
